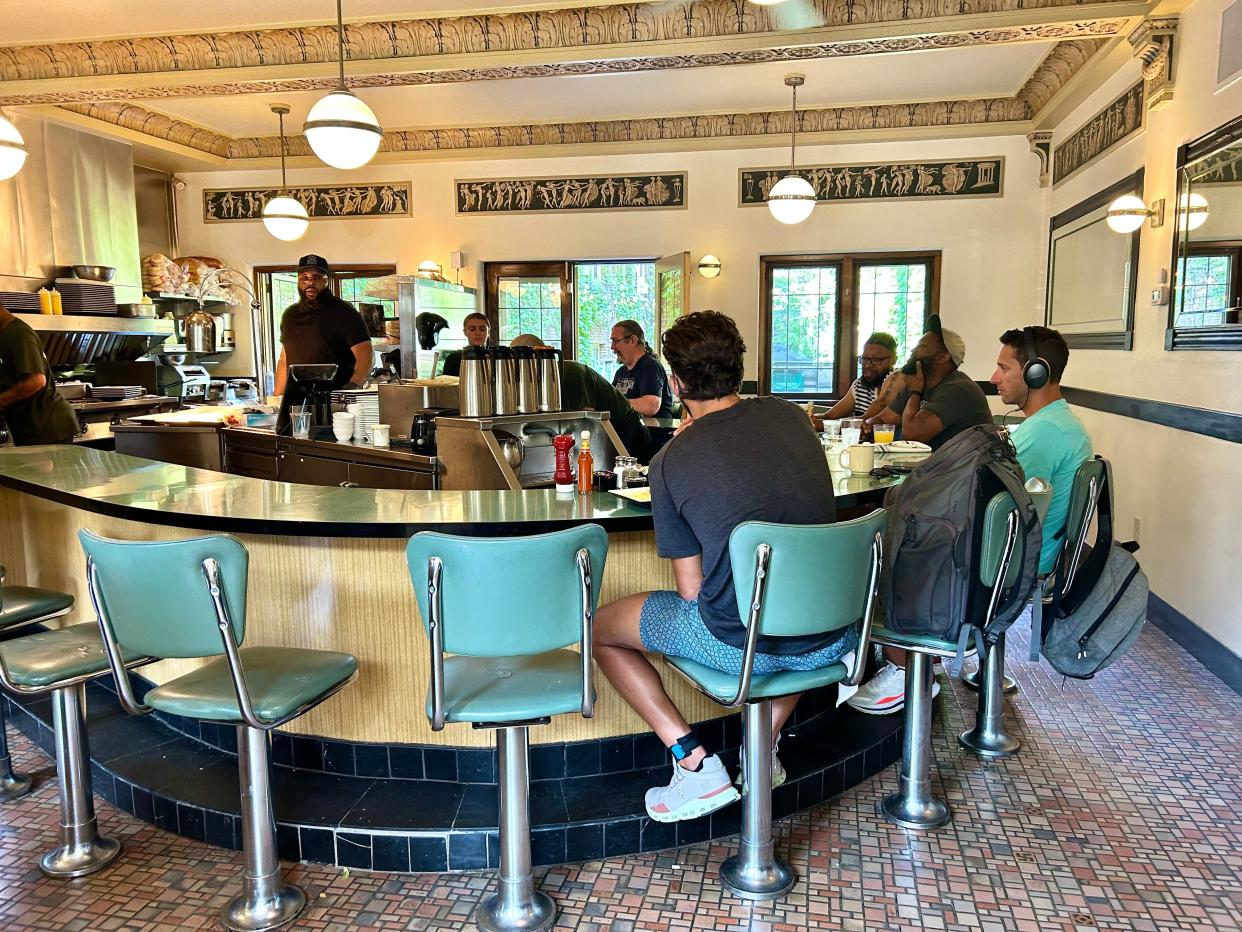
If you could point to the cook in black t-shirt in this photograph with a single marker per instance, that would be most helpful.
(324, 331)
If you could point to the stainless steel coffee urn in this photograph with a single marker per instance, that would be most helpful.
(527, 380)
(549, 363)
(504, 382)
(200, 332)
(474, 385)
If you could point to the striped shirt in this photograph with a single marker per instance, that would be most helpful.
(864, 396)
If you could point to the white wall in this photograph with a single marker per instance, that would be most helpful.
(991, 246)
(1181, 485)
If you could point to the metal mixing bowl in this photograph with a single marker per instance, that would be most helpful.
(94, 273)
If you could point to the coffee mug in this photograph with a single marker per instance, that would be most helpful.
(379, 435)
(859, 459)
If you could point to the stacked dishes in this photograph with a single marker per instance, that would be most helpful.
(20, 302)
(342, 426)
(79, 297)
(363, 403)
(116, 392)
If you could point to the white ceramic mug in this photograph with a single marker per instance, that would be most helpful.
(859, 459)
(379, 435)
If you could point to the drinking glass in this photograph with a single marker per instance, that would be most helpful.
(851, 431)
(884, 433)
(301, 425)
(832, 433)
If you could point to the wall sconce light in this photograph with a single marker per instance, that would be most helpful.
(1128, 212)
(431, 269)
(709, 266)
(1192, 211)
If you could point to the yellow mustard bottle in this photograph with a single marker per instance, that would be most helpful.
(45, 301)
(57, 306)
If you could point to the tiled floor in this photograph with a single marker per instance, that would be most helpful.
(1120, 812)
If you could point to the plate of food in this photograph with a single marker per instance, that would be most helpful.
(639, 496)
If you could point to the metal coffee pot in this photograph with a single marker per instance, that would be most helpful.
(549, 364)
(474, 386)
(527, 380)
(504, 381)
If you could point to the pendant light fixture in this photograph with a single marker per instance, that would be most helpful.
(12, 150)
(341, 129)
(792, 199)
(284, 216)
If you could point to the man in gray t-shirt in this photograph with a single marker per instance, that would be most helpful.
(937, 401)
(734, 461)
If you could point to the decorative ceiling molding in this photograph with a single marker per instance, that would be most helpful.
(1059, 65)
(1081, 30)
(589, 27)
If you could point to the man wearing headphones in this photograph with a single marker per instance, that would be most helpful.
(1051, 442)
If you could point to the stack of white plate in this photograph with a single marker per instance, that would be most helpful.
(116, 392)
(366, 415)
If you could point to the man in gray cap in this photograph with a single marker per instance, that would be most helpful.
(935, 400)
(321, 328)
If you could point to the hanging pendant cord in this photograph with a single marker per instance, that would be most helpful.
(284, 182)
(340, 40)
(793, 130)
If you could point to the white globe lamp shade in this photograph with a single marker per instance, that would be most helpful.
(709, 266)
(342, 130)
(1127, 214)
(791, 199)
(285, 218)
(12, 150)
(1192, 211)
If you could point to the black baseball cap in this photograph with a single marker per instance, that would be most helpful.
(318, 263)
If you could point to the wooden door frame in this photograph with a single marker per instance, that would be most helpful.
(558, 268)
(848, 265)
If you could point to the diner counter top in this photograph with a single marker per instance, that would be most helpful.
(137, 489)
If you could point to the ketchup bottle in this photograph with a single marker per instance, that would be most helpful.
(563, 478)
(586, 466)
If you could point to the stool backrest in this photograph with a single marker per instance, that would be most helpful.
(507, 596)
(817, 578)
(1084, 496)
(156, 596)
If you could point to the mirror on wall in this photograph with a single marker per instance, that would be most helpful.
(1093, 272)
(1206, 304)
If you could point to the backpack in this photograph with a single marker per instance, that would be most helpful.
(1098, 619)
(930, 584)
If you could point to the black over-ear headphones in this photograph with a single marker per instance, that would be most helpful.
(1036, 371)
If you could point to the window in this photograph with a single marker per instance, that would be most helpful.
(1210, 280)
(571, 305)
(818, 310)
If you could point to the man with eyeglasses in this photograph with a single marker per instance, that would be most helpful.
(865, 397)
(640, 377)
(321, 328)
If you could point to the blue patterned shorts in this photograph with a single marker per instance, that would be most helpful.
(671, 625)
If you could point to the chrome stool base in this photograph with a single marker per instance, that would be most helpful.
(532, 913)
(921, 814)
(82, 850)
(13, 785)
(971, 681)
(771, 883)
(69, 861)
(913, 806)
(988, 738)
(246, 914)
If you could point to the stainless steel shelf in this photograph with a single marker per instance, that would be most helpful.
(91, 323)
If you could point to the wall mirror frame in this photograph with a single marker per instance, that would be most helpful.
(1205, 306)
(1090, 309)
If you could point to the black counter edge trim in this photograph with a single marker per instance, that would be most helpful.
(292, 528)
(1223, 663)
(1220, 424)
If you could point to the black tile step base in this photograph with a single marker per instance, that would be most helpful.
(183, 785)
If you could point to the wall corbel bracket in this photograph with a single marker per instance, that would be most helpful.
(1153, 43)
(1041, 147)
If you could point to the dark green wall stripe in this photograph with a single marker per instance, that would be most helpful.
(1209, 423)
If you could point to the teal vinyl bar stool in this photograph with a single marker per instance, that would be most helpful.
(508, 609)
(187, 599)
(988, 738)
(61, 662)
(913, 805)
(22, 605)
(806, 579)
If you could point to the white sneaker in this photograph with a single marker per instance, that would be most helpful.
(885, 692)
(691, 793)
(778, 769)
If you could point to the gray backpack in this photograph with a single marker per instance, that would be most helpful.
(1100, 617)
(930, 581)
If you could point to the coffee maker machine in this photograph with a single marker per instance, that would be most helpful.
(310, 384)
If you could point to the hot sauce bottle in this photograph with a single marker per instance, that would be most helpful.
(586, 465)
(563, 477)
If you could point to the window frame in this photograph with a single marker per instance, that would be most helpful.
(848, 266)
(1227, 248)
